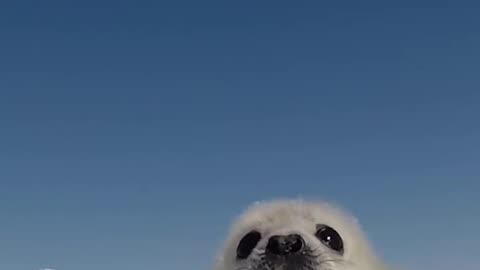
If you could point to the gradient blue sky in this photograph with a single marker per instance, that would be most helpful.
(131, 133)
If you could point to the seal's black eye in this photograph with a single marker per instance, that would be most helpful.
(247, 244)
(329, 237)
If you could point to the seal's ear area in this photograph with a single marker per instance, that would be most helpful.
(355, 220)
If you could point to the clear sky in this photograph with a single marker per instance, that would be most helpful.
(131, 133)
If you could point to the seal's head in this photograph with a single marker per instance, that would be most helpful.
(296, 235)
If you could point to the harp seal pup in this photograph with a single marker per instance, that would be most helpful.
(296, 235)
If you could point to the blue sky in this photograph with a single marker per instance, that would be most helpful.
(131, 133)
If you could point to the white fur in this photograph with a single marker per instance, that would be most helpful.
(287, 216)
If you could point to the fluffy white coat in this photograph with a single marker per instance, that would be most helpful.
(297, 216)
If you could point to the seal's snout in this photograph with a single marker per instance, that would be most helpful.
(284, 245)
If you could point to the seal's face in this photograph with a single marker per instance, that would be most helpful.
(291, 250)
(294, 235)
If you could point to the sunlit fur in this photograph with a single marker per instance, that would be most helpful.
(297, 216)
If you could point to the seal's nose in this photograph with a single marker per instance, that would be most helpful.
(284, 245)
